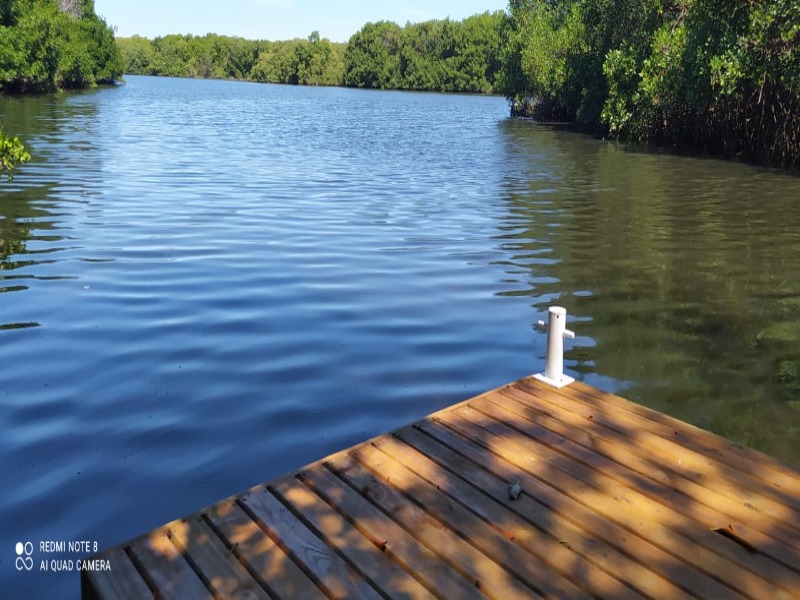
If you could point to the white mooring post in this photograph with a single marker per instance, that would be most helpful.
(556, 332)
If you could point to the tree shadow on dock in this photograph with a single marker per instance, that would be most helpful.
(524, 491)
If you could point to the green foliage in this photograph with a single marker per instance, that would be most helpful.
(440, 55)
(712, 75)
(276, 63)
(372, 59)
(137, 55)
(547, 38)
(451, 56)
(620, 72)
(12, 154)
(314, 61)
(49, 44)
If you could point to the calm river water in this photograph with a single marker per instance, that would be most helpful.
(206, 284)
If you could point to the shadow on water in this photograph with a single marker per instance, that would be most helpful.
(37, 206)
(237, 314)
(681, 274)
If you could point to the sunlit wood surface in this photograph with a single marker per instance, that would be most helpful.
(613, 501)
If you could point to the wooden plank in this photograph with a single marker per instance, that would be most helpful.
(746, 502)
(123, 581)
(744, 478)
(265, 560)
(527, 568)
(437, 575)
(617, 501)
(387, 575)
(657, 522)
(222, 572)
(577, 554)
(687, 576)
(330, 571)
(755, 464)
(166, 569)
(488, 576)
(627, 464)
(617, 455)
(546, 548)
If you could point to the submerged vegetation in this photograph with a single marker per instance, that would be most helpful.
(707, 75)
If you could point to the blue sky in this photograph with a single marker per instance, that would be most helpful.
(276, 19)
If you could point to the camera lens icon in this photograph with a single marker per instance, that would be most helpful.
(24, 556)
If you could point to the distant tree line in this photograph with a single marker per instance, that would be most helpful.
(716, 76)
(719, 76)
(51, 44)
(443, 55)
(312, 61)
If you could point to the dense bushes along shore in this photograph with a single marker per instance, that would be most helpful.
(442, 55)
(716, 76)
(313, 61)
(51, 44)
(711, 76)
(47, 45)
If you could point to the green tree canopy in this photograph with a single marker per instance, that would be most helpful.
(50, 44)
(710, 75)
(440, 55)
(313, 61)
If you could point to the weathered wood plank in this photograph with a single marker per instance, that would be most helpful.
(628, 507)
(628, 464)
(123, 582)
(527, 568)
(547, 549)
(332, 573)
(616, 501)
(744, 501)
(575, 553)
(745, 479)
(488, 576)
(271, 566)
(436, 574)
(687, 576)
(166, 568)
(387, 575)
(755, 465)
(226, 577)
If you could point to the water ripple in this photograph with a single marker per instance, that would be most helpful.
(216, 282)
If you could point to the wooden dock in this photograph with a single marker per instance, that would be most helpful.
(525, 491)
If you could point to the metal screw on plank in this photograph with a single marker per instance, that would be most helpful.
(556, 332)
